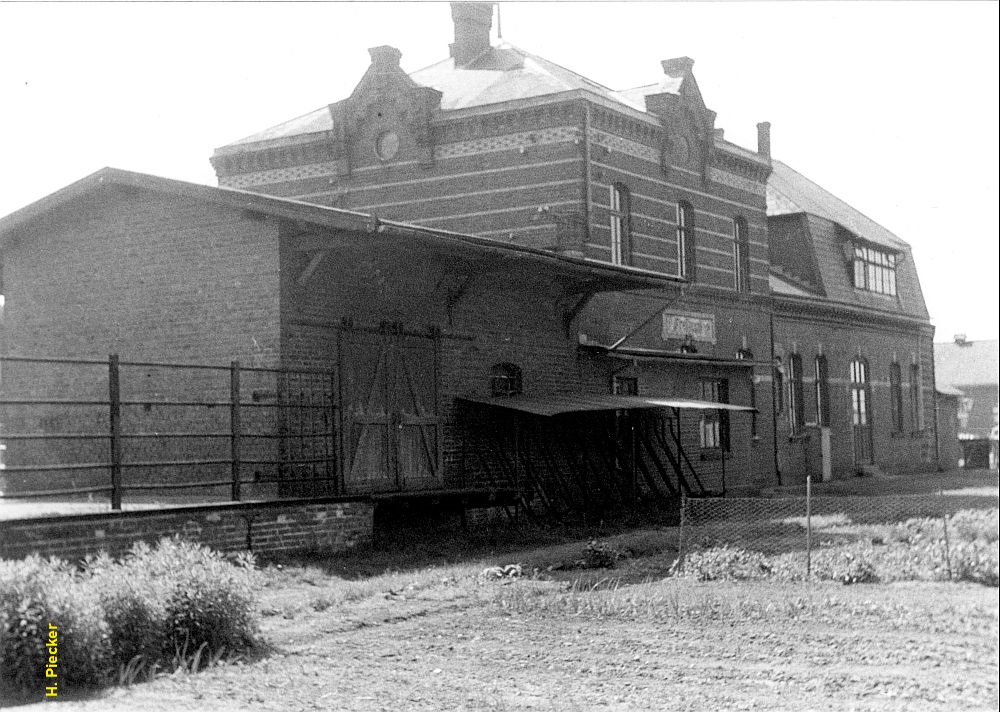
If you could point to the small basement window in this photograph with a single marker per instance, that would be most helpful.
(505, 380)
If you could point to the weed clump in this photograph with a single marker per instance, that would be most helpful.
(174, 606)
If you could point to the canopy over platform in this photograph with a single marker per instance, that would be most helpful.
(560, 404)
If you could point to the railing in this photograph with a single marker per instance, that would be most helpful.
(66, 419)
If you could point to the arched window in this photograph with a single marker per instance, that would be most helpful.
(916, 398)
(822, 391)
(505, 380)
(779, 386)
(859, 392)
(685, 241)
(621, 212)
(741, 254)
(896, 396)
(796, 407)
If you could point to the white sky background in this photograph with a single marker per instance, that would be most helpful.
(891, 106)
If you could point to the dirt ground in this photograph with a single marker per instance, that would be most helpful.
(414, 624)
(448, 638)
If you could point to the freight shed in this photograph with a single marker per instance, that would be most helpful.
(444, 365)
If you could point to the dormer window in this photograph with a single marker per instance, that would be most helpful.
(874, 270)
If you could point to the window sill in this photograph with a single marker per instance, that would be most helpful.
(799, 438)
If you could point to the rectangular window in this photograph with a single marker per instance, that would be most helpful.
(685, 241)
(714, 424)
(741, 255)
(874, 270)
(916, 398)
(796, 406)
(624, 386)
(620, 220)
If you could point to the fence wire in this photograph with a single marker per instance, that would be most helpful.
(806, 525)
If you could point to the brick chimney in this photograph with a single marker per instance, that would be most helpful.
(385, 58)
(677, 67)
(764, 139)
(962, 340)
(473, 21)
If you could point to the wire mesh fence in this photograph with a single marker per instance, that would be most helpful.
(799, 531)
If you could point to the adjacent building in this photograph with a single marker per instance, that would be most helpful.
(969, 369)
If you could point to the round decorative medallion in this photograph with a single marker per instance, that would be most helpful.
(387, 145)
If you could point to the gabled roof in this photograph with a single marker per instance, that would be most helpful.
(585, 275)
(788, 191)
(972, 363)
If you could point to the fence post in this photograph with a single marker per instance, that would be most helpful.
(680, 535)
(115, 426)
(809, 480)
(235, 426)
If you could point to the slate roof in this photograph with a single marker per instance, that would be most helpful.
(505, 73)
(973, 364)
(831, 225)
(788, 191)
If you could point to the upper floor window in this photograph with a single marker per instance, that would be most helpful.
(822, 391)
(896, 396)
(741, 254)
(505, 380)
(685, 241)
(874, 270)
(796, 406)
(620, 224)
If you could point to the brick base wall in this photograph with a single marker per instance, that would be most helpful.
(289, 526)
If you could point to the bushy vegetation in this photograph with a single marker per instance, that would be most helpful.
(961, 547)
(176, 605)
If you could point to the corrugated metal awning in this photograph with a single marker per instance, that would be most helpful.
(582, 403)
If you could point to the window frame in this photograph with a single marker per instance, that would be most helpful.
(686, 248)
(874, 270)
(713, 426)
(620, 220)
(796, 395)
(506, 379)
(741, 254)
(916, 397)
(896, 397)
(822, 388)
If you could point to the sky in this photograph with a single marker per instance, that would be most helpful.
(891, 106)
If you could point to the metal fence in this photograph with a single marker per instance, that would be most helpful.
(141, 433)
(775, 526)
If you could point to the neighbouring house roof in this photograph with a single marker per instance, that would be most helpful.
(585, 275)
(788, 192)
(972, 363)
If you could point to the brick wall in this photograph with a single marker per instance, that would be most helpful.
(150, 277)
(880, 344)
(328, 525)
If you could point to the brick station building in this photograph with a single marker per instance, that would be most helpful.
(522, 280)
(822, 303)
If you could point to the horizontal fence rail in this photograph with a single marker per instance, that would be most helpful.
(142, 423)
